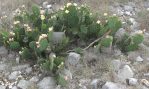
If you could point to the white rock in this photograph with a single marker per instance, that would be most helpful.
(29, 70)
(116, 64)
(3, 67)
(34, 79)
(139, 59)
(68, 73)
(18, 60)
(73, 58)
(110, 85)
(94, 84)
(49, 6)
(128, 8)
(132, 81)
(20, 67)
(24, 84)
(125, 73)
(3, 51)
(47, 83)
(120, 34)
(146, 74)
(45, 4)
(14, 75)
(2, 87)
(128, 13)
(14, 87)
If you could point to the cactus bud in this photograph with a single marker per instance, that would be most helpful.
(67, 11)
(69, 4)
(42, 17)
(98, 22)
(16, 22)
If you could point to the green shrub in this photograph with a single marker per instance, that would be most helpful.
(131, 42)
(32, 35)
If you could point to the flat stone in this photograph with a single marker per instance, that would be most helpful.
(132, 81)
(125, 73)
(14, 75)
(67, 73)
(3, 67)
(139, 59)
(14, 87)
(120, 34)
(2, 87)
(28, 70)
(34, 79)
(110, 85)
(73, 58)
(20, 67)
(3, 51)
(116, 64)
(45, 4)
(128, 8)
(47, 83)
(94, 84)
(24, 84)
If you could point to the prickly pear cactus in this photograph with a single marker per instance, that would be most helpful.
(131, 42)
(14, 45)
(107, 41)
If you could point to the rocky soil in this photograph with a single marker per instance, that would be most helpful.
(93, 70)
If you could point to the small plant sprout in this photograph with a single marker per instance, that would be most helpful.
(42, 17)
(98, 22)
(16, 22)
(66, 11)
(105, 14)
(68, 4)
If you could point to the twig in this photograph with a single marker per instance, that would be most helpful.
(91, 44)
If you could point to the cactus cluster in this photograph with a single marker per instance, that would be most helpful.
(33, 34)
(131, 42)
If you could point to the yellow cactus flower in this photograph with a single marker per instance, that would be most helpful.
(42, 17)
(67, 11)
(105, 14)
(75, 4)
(69, 4)
(50, 29)
(16, 22)
(98, 22)
(12, 33)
